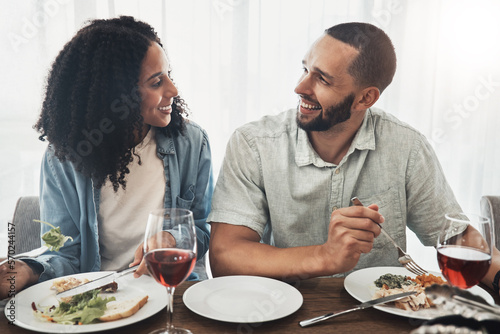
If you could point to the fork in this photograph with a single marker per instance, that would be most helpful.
(33, 253)
(404, 258)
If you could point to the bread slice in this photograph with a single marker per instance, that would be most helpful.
(123, 309)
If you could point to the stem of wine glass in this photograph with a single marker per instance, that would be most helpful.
(170, 308)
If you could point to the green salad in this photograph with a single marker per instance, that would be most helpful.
(81, 309)
(53, 238)
(393, 281)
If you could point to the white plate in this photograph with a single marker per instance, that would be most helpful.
(360, 284)
(128, 287)
(243, 299)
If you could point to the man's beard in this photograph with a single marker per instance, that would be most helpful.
(334, 115)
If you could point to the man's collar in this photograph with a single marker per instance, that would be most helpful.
(365, 137)
(363, 140)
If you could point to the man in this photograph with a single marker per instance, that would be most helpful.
(282, 207)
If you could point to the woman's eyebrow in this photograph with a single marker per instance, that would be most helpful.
(153, 76)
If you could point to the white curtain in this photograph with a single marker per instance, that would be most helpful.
(237, 60)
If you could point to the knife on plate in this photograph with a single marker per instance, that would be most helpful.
(96, 283)
(305, 323)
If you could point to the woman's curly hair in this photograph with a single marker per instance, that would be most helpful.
(92, 103)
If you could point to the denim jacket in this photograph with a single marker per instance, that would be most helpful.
(69, 200)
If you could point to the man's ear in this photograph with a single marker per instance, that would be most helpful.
(366, 98)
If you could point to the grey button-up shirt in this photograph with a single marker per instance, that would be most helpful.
(273, 182)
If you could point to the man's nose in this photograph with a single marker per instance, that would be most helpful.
(304, 85)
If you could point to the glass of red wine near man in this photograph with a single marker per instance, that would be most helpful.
(170, 253)
(465, 248)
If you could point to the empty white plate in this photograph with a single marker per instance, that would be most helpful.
(242, 299)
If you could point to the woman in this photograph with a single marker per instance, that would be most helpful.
(119, 148)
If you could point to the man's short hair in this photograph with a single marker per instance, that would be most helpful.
(375, 64)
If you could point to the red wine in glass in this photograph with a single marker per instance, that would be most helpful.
(464, 248)
(170, 251)
(463, 267)
(170, 267)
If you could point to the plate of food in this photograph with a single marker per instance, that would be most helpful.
(38, 309)
(367, 284)
(243, 299)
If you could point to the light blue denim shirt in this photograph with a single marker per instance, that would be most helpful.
(69, 200)
(273, 182)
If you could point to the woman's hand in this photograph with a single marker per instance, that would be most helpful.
(167, 241)
(14, 277)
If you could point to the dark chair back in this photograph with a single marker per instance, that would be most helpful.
(27, 232)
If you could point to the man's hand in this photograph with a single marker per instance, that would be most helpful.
(237, 250)
(168, 241)
(352, 232)
(14, 277)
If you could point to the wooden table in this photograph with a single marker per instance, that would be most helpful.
(321, 295)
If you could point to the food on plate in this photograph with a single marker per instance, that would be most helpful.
(391, 281)
(66, 283)
(412, 302)
(88, 307)
(111, 287)
(118, 310)
(80, 309)
(428, 280)
(53, 238)
(403, 283)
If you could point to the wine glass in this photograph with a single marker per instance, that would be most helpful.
(170, 253)
(464, 249)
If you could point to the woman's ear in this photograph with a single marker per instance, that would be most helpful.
(366, 98)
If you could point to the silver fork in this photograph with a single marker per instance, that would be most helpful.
(33, 253)
(404, 258)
